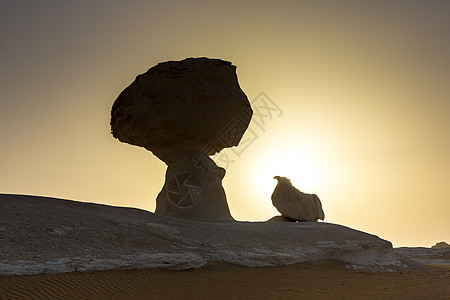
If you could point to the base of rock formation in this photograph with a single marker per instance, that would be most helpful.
(47, 235)
(193, 190)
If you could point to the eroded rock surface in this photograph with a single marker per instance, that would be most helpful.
(46, 235)
(191, 106)
(294, 204)
(193, 190)
(184, 111)
(434, 256)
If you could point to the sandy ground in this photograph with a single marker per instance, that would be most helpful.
(322, 280)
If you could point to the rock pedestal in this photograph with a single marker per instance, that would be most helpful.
(193, 190)
(184, 111)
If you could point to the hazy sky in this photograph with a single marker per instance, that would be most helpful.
(362, 90)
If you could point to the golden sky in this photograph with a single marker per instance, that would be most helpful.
(361, 90)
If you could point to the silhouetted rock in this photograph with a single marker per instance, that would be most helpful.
(295, 205)
(440, 245)
(193, 190)
(186, 106)
(184, 111)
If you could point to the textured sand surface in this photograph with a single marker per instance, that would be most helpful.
(321, 280)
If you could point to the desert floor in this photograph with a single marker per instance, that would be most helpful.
(321, 280)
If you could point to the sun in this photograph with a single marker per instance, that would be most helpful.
(303, 168)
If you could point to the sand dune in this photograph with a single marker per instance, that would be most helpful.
(321, 280)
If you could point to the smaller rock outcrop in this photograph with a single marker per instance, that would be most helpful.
(440, 245)
(294, 204)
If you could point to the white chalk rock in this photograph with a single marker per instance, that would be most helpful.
(296, 205)
(103, 237)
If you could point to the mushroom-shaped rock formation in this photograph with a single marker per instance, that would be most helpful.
(296, 205)
(184, 111)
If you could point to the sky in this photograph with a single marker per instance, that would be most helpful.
(359, 92)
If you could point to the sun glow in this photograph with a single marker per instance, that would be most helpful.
(304, 169)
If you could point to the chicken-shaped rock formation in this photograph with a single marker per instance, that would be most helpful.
(184, 111)
(296, 205)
